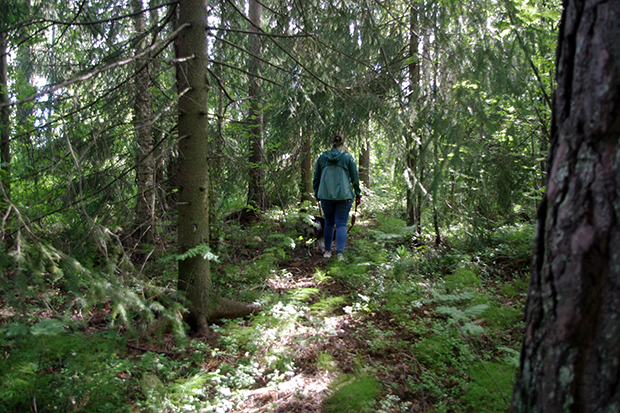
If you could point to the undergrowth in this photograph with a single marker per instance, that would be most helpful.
(400, 325)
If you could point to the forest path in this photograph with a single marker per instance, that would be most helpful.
(329, 343)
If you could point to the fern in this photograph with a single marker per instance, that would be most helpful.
(200, 249)
(465, 317)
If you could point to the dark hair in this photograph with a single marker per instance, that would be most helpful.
(338, 139)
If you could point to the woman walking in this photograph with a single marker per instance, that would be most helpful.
(336, 184)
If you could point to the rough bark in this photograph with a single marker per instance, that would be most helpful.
(143, 118)
(571, 351)
(256, 183)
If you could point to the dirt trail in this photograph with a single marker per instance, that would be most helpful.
(336, 334)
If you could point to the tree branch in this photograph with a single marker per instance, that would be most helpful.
(86, 76)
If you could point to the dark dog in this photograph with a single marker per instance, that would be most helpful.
(313, 230)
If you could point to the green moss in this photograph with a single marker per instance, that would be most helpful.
(353, 395)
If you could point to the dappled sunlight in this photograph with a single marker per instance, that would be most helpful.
(302, 393)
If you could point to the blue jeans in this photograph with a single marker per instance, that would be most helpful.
(336, 215)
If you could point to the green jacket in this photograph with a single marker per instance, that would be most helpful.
(336, 177)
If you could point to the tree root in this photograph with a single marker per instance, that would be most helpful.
(229, 309)
(225, 309)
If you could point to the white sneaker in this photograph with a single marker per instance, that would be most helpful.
(328, 254)
(340, 257)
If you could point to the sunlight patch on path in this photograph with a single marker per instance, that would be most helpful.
(300, 393)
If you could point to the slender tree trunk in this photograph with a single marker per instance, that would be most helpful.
(256, 184)
(411, 184)
(365, 163)
(571, 351)
(419, 192)
(162, 152)
(5, 125)
(217, 145)
(306, 169)
(413, 145)
(436, 198)
(215, 157)
(143, 119)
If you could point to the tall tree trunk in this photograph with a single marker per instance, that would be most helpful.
(217, 144)
(256, 184)
(163, 150)
(306, 169)
(5, 125)
(143, 119)
(413, 144)
(215, 163)
(571, 348)
(193, 198)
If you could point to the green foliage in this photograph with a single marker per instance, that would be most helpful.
(303, 294)
(327, 362)
(490, 388)
(442, 347)
(45, 327)
(435, 308)
(518, 287)
(462, 280)
(353, 394)
(45, 277)
(515, 240)
(466, 142)
(500, 317)
(65, 369)
(328, 304)
(389, 224)
(201, 249)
